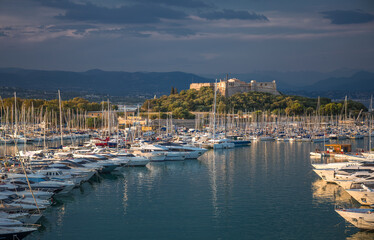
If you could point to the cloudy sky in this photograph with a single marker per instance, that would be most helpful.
(198, 36)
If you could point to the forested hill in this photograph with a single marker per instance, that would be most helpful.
(186, 101)
(97, 81)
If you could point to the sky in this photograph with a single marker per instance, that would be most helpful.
(197, 36)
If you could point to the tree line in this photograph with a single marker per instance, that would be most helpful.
(77, 103)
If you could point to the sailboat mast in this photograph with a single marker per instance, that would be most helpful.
(59, 102)
(214, 109)
(346, 107)
(108, 118)
(370, 127)
(15, 114)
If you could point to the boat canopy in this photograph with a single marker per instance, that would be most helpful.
(340, 147)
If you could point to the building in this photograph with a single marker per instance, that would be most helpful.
(132, 120)
(232, 86)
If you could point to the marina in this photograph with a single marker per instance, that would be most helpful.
(186, 120)
(233, 193)
(51, 162)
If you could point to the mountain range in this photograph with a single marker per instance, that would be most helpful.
(118, 83)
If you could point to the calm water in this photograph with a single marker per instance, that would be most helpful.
(264, 191)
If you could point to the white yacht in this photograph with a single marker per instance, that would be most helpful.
(42, 183)
(18, 232)
(75, 170)
(335, 165)
(223, 143)
(58, 174)
(364, 196)
(192, 152)
(360, 217)
(327, 174)
(130, 160)
(266, 138)
(152, 152)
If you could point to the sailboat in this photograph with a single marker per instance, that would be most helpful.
(369, 154)
(17, 138)
(218, 143)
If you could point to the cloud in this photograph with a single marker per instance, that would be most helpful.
(2, 34)
(118, 32)
(229, 14)
(77, 27)
(146, 31)
(179, 3)
(210, 56)
(6, 28)
(178, 32)
(348, 17)
(130, 14)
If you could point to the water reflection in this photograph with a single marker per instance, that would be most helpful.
(125, 196)
(324, 192)
(213, 179)
(362, 235)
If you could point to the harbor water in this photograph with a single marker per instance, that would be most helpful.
(264, 191)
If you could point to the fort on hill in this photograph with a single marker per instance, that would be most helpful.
(232, 86)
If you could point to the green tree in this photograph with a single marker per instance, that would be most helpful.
(181, 113)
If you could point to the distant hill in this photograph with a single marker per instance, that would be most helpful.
(98, 81)
(360, 81)
(335, 85)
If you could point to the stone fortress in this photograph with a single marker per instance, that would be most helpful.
(232, 86)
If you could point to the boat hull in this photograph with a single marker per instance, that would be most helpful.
(360, 218)
(362, 196)
(326, 174)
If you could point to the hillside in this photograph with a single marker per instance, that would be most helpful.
(192, 100)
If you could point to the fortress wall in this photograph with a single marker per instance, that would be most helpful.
(237, 89)
(264, 85)
(229, 88)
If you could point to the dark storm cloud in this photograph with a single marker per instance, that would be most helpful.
(348, 17)
(6, 28)
(179, 3)
(132, 14)
(233, 14)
